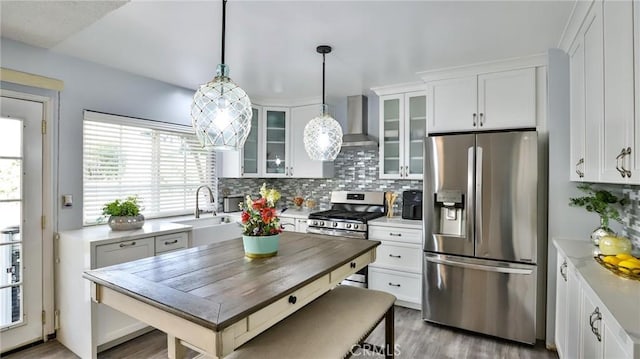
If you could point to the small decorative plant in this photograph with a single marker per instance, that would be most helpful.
(601, 201)
(259, 217)
(126, 208)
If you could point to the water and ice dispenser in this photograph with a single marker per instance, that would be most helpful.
(449, 205)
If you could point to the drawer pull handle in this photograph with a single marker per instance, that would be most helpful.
(393, 256)
(122, 245)
(167, 243)
(293, 299)
(563, 270)
(352, 264)
(394, 285)
(593, 318)
(395, 234)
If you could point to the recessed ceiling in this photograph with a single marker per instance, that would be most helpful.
(271, 44)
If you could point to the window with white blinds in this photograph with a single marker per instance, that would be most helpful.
(161, 164)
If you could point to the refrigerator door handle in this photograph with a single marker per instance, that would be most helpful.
(468, 199)
(486, 268)
(478, 204)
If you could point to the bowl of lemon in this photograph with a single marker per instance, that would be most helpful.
(624, 265)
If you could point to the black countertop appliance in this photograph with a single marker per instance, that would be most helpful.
(412, 204)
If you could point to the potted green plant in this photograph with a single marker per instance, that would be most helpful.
(124, 215)
(602, 202)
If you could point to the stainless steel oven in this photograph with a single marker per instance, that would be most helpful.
(348, 218)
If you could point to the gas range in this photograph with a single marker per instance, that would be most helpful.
(348, 215)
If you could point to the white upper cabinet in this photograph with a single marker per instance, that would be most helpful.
(453, 105)
(491, 101)
(301, 166)
(403, 127)
(507, 99)
(245, 162)
(275, 147)
(274, 142)
(603, 141)
(618, 149)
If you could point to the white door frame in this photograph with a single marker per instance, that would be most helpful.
(47, 205)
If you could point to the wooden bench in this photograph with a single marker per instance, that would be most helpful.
(332, 326)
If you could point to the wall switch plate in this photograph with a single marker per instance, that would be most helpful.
(67, 200)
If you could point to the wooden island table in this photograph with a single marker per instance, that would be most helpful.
(214, 299)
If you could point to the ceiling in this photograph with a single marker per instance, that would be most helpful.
(270, 45)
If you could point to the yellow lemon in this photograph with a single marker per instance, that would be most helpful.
(634, 259)
(624, 256)
(612, 260)
(629, 264)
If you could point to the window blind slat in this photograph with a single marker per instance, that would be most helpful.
(161, 167)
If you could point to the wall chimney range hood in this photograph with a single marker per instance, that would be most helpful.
(355, 135)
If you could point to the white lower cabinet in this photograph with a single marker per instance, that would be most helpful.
(110, 323)
(584, 325)
(398, 266)
(84, 326)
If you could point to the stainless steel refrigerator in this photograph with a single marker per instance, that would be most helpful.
(480, 232)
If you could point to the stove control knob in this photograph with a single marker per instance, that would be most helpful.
(315, 223)
(355, 226)
(348, 225)
(322, 223)
(335, 224)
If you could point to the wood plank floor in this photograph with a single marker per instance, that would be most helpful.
(414, 339)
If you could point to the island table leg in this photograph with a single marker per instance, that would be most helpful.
(175, 349)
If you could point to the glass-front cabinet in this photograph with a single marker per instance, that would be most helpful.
(416, 121)
(392, 109)
(275, 142)
(403, 128)
(251, 146)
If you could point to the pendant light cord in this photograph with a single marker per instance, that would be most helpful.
(323, 102)
(224, 21)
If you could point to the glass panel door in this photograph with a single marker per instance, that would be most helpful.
(391, 136)
(250, 151)
(21, 208)
(276, 142)
(417, 123)
(11, 164)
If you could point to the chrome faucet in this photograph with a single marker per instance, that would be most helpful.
(210, 199)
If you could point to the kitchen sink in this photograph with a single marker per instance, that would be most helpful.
(207, 230)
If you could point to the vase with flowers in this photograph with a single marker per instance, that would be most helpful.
(260, 224)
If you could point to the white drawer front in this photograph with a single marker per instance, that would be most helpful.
(395, 234)
(172, 242)
(288, 224)
(399, 256)
(405, 286)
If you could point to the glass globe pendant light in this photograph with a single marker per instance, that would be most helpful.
(323, 134)
(221, 110)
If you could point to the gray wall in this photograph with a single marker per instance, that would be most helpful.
(563, 221)
(95, 87)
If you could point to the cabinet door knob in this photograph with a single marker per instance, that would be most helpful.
(352, 264)
(474, 120)
(481, 119)
(291, 171)
(293, 299)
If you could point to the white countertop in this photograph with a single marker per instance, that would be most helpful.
(294, 213)
(102, 233)
(396, 222)
(621, 296)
